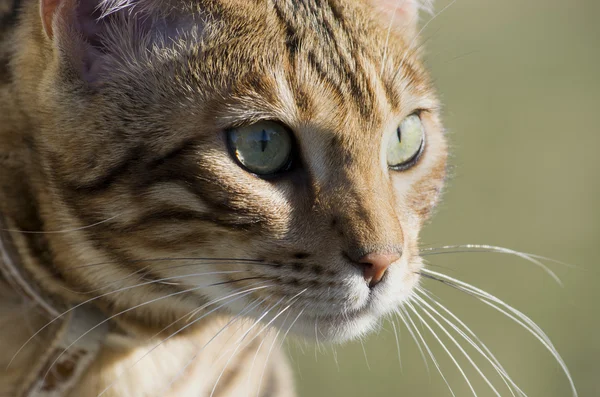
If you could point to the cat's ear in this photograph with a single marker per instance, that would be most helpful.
(99, 35)
(403, 14)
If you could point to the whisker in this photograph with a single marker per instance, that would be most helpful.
(62, 231)
(400, 315)
(128, 310)
(96, 298)
(234, 319)
(365, 354)
(273, 344)
(194, 312)
(256, 356)
(462, 350)
(431, 355)
(291, 325)
(159, 281)
(387, 37)
(485, 296)
(512, 313)
(397, 343)
(243, 294)
(482, 248)
(238, 343)
(416, 37)
(476, 343)
(291, 301)
(335, 359)
(258, 349)
(197, 261)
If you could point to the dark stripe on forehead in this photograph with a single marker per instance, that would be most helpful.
(291, 41)
(315, 31)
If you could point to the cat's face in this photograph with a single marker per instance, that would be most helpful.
(265, 143)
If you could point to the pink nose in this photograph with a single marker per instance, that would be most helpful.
(375, 265)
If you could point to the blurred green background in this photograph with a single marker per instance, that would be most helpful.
(519, 79)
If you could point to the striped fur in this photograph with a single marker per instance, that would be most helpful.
(113, 143)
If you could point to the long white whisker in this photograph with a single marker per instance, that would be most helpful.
(62, 231)
(365, 354)
(437, 366)
(457, 249)
(235, 318)
(256, 356)
(463, 351)
(473, 340)
(290, 327)
(280, 345)
(514, 315)
(397, 343)
(92, 300)
(238, 343)
(477, 344)
(199, 309)
(412, 334)
(291, 301)
(114, 316)
(271, 348)
(242, 293)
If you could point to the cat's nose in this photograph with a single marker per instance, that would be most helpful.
(375, 265)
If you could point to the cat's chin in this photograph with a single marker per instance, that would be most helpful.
(335, 329)
(343, 327)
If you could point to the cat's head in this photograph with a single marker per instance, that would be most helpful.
(286, 152)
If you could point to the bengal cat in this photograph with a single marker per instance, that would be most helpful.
(184, 183)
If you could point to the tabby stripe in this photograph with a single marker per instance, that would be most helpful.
(9, 19)
(318, 67)
(391, 93)
(226, 382)
(337, 67)
(292, 41)
(106, 180)
(270, 389)
(174, 214)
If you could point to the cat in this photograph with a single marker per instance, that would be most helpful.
(184, 183)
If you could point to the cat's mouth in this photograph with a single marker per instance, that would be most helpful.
(354, 314)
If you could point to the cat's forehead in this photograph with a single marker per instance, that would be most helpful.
(325, 62)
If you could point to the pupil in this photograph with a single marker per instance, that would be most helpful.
(399, 135)
(264, 140)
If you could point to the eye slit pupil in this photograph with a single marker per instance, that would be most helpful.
(399, 132)
(264, 140)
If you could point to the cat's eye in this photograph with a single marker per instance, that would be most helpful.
(263, 148)
(406, 144)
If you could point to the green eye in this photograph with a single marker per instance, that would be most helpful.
(263, 148)
(406, 145)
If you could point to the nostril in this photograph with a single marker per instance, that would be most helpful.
(375, 265)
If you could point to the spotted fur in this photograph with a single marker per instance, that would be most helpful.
(113, 115)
